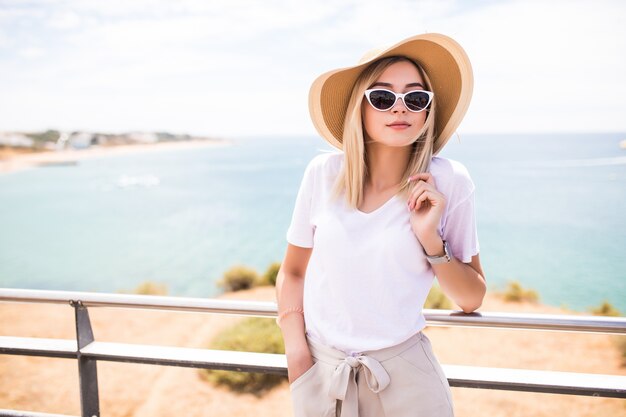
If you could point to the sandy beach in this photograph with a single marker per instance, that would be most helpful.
(51, 385)
(12, 160)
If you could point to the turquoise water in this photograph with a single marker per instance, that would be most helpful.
(550, 212)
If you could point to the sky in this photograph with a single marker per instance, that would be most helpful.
(243, 68)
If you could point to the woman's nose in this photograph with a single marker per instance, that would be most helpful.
(399, 106)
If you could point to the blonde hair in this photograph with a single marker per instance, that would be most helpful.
(352, 176)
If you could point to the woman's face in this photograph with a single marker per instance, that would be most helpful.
(396, 126)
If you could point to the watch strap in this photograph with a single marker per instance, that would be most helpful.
(443, 259)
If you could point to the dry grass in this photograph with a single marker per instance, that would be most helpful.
(51, 385)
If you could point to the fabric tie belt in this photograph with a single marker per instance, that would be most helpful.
(343, 384)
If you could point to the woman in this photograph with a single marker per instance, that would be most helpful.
(371, 227)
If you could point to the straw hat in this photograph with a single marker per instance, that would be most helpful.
(445, 63)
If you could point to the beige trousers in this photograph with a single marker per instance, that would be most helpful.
(398, 381)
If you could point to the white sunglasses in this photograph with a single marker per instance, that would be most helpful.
(383, 100)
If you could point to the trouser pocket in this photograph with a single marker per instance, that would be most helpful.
(427, 375)
(309, 392)
(304, 376)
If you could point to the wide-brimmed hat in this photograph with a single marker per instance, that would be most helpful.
(441, 57)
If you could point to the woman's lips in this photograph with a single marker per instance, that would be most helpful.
(399, 126)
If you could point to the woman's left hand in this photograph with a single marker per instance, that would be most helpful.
(426, 205)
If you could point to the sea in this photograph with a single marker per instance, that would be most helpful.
(550, 209)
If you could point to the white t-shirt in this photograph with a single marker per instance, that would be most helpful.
(368, 276)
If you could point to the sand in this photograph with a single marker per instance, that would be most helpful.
(51, 385)
(12, 160)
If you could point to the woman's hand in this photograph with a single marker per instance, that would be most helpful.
(426, 205)
(298, 364)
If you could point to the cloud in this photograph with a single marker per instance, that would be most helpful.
(545, 66)
(65, 20)
(31, 53)
(244, 67)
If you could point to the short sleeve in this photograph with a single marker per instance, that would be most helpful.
(460, 229)
(300, 231)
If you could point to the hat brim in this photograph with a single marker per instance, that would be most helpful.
(442, 58)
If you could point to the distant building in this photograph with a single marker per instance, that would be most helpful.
(80, 140)
(142, 137)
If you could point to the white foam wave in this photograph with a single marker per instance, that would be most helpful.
(126, 181)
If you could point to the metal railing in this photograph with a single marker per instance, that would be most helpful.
(87, 351)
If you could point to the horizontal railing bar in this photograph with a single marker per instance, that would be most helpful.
(20, 413)
(37, 346)
(555, 382)
(551, 322)
(188, 357)
(94, 299)
(528, 380)
(529, 321)
(147, 354)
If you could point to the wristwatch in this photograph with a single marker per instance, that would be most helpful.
(443, 259)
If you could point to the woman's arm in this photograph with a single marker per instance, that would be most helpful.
(464, 283)
(289, 293)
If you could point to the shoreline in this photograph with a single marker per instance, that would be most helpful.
(23, 161)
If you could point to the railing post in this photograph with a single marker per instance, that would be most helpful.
(87, 368)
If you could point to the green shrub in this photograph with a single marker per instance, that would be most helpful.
(148, 288)
(437, 299)
(269, 277)
(605, 309)
(515, 292)
(47, 136)
(239, 277)
(253, 334)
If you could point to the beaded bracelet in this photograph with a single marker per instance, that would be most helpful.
(287, 311)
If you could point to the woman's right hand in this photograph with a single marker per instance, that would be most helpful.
(298, 364)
